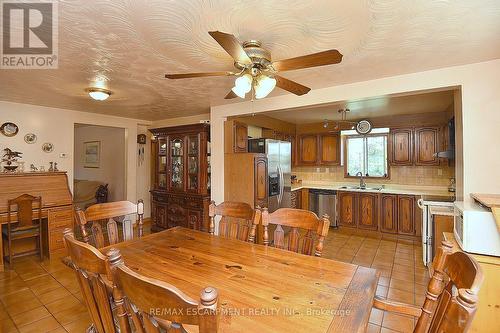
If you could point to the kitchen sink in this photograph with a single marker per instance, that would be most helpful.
(360, 188)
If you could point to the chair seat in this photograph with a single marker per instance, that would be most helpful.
(24, 232)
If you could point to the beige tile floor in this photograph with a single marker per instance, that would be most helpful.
(45, 297)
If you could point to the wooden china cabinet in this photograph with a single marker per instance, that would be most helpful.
(180, 177)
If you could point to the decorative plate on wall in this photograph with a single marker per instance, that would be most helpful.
(48, 147)
(9, 129)
(30, 138)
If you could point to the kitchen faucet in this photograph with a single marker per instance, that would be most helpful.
(362, 184)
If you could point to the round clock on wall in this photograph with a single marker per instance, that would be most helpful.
(363, 127)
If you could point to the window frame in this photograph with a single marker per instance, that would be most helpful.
(345, 145)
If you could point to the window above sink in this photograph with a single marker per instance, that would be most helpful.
(366, 154)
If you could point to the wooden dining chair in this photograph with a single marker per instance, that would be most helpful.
(238, 220)
(92, 273)
(110, 213)
(23, 226)
(451, 297)
(156, 306)
(296, 230)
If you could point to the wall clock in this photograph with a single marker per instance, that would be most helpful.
(363, 127)
(9, 129)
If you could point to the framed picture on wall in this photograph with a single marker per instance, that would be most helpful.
(92, 151)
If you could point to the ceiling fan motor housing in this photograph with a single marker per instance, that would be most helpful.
(261, 58)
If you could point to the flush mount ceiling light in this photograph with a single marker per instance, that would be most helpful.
(257, 70)
(99, 94)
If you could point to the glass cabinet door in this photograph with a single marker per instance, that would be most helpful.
(162, 164)
(177, 164)
(193, 164)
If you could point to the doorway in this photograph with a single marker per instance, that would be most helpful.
(99, 164)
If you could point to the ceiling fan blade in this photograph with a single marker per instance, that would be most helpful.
(232, 46)
(291, 86)
(329, 57)
(230, 95)
(190, 75)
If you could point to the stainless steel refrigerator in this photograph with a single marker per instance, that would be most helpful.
(279, 168)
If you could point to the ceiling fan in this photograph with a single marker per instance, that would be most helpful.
(257, 72)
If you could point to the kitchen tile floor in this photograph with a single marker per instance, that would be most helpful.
(45, 296)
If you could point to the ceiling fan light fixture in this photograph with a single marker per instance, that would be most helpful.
(98, 94)
(242, 85)
(264, 86)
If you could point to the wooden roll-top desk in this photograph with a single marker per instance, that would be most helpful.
(57, 204)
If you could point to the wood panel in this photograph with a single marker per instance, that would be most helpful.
(260, 181)
(235, 137)
(329, 148)
(406, 215)
(426, 145)
(307, 149)
(347, 208)
(368, 211)
(401, 146)
(441, 224)
(239, 278)
(389, 213)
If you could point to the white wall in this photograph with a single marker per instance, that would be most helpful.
(480, 86)
(180, 121)
(111, 169)
(57, 126)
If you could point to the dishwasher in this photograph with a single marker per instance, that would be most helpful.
(324, 202)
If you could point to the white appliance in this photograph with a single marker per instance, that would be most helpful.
(475, 229)
(427, 227)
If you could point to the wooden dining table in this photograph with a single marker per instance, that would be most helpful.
(261, 288)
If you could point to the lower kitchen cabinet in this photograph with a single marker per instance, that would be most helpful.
(368, 211)
(295, 198)
(406, 215)
(347, 208)
(389, 213)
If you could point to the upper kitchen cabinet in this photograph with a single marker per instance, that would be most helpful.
(329, 148)
(307, 149)
(414, 146)
(318, 149)
(401, 146)
(426, 146)
(236, 137)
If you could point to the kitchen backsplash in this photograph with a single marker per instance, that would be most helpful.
(402, 175)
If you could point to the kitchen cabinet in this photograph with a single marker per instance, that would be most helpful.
(441, 224)
(235, 137)
(347, 208)
(368, 211)
(406, 215)
(426, 145)
(307, 149)
(389, 213)
(181, 177)
(329, 148)
(401, 146)
(318, 149)
(260, 175)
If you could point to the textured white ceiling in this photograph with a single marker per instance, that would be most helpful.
(134, 43)
(382, 106)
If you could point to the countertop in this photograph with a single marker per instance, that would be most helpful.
(434, 191)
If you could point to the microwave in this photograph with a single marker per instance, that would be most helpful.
(475, 229)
